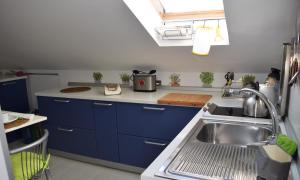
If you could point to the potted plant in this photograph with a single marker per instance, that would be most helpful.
(175, 80)
(248, 78)
(207, 79)
(97, 77)
(125, 78)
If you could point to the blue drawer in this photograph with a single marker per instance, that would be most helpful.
(69, 112)
(153, 121)
(72, 140)
(138, 151)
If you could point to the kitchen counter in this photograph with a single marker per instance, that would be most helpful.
(127, 95)
(11, 78)
(148, 174)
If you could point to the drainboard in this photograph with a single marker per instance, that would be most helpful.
(210, 161)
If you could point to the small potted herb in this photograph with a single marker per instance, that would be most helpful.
(175, 80)
(97, 77)
(125, 78)
(247, 79)
(207, 79)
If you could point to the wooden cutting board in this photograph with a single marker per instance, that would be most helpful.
(197, 100)
(75, 89)
(16, 123)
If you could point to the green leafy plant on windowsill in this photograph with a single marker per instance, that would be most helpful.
(207, 78)
(248, 78)
(125, 78)
(175, 80)
(97, 77)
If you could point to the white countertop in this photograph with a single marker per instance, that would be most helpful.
(34, 120)
(127, 95)
(11, 78)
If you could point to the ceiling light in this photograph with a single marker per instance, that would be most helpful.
(203, 39)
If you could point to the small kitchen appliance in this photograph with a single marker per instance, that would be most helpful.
(229, 77)
(253, 105)
(143, 81)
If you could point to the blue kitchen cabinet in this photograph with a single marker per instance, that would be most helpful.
(13, 96)
(153, 121)
(139, 151)
(67, 112)
(128, 133)
(105, 116)
(71, 125)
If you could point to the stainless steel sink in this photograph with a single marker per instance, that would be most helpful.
(234, 134)
(217, 149)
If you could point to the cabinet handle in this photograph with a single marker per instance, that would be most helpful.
(8, 83)
(62, 101)
(102, 104)
(155, 143)
(65, 130)
(154, 109)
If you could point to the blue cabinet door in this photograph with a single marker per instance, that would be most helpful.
(105, 116)
(73, 140)
(13, 96)
(153, 121)
(68, 112)
(138, 151)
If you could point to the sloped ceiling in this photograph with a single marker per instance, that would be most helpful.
(104, 34)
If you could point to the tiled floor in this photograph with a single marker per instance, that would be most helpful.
(67, 169)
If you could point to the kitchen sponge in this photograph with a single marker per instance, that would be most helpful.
(287, 144)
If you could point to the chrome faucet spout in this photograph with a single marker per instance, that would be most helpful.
(271, 108)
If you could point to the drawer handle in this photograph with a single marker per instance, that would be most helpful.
(9, 83)
(62, 101)
(65, 130)
(155, 143)
(154, 109)
(102, 104)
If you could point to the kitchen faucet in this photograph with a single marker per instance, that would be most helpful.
(271, 108)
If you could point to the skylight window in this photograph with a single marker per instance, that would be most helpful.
(177, 6)
(176, 22)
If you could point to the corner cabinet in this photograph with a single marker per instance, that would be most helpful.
(127, 133)
(145, 130)
(13, 96)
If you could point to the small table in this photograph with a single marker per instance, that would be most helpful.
(35, 120)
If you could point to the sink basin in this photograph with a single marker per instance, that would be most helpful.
(237, 134)
(217, 149)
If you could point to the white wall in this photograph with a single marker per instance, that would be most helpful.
(104, 34)
(187, 78)
(293, 119)
(39, 83)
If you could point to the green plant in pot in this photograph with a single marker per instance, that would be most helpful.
(125, 78)
(207, 78)
(248, 78)
(97, 77)
(175, 80)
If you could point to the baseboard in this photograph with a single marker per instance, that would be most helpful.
(95, 161)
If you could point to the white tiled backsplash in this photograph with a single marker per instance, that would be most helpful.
(187, 78)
